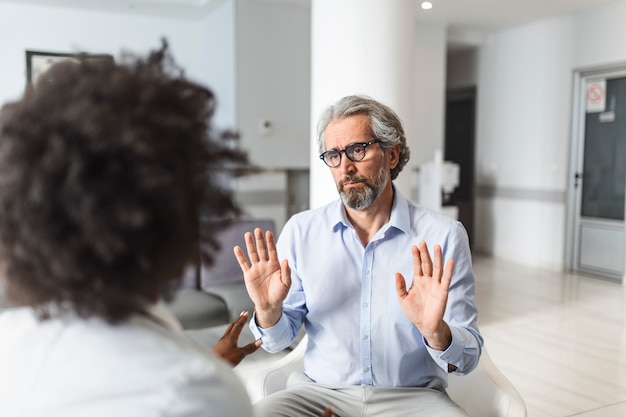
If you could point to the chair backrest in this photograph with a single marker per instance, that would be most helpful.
(485, 392)
(225, 269)
(273, 377)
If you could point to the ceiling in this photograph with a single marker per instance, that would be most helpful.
(489, 15)
(478, 16)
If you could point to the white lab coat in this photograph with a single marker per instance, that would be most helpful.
(73, 367)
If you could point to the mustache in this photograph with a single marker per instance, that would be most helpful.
(351, 179)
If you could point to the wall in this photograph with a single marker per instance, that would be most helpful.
(427, 124)
(273, 49)
(522, 143)
(57, 29)
(523, 129)
(425, 129)
(600, 36)
(273, 81)
(217, 60)
(253, 55)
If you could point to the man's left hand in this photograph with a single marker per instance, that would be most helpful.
(425, 302)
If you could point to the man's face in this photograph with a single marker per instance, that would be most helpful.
(359, 183)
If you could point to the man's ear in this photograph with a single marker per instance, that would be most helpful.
(394, 156)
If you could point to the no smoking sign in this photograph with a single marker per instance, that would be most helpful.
(596, 96)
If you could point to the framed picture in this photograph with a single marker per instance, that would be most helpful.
(37, 62)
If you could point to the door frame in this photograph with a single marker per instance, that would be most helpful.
(577, 150)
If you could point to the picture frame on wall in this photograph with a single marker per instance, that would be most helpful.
(37, 62)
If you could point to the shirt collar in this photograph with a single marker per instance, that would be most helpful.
(399, 218)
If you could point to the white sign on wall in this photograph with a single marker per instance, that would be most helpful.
(596, 96)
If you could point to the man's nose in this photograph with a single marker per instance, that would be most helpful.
(346, 165)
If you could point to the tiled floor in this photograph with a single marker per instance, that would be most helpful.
(559, 338)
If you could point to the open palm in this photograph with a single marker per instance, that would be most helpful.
(266, 279)
(424, 304)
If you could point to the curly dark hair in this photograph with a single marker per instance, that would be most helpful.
(105, 171)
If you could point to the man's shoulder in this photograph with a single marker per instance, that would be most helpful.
(328, 214)
(421, 216)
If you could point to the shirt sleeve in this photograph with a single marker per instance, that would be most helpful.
(461, 314)
(284, 332)
(275, 338)
(462, 352)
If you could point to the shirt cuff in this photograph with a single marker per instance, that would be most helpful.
(273, 337)
(453, 354)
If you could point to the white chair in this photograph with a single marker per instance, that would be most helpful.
(485, 392)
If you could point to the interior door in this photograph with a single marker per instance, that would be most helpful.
(459, 148)
(600, 174)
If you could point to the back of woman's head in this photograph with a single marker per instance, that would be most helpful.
(105, 170)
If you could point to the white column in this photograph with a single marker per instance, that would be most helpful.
(360, 47)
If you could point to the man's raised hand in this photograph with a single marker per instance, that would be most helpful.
(424, 303)
(267, 280)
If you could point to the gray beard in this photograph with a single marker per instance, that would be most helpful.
(360, 199)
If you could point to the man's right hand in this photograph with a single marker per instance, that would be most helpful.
(267, 280)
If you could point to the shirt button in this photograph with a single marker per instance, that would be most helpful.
(367, 272)
(365, 337)
(366, 369)
(365, 305)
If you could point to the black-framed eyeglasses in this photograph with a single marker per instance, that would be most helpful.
(354, 151)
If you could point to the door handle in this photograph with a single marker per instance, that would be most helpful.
(577, 176)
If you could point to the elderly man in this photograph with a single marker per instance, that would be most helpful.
(387, 320)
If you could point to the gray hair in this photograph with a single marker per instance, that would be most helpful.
(385, 125)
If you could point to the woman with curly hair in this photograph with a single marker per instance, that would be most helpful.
(105, 171)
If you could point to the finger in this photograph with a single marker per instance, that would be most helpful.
(438, 264)
(400, 286)
(234, 328)
(260, 244)
(329, 412)
(427, 265)
(285, 272)
(447, 274)
(229, 329)
(237, 325)
(417, 261)
(251, 347)
(252, 252)
(241, 259)
(272, 253)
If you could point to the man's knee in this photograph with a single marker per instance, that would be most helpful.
(288, 403)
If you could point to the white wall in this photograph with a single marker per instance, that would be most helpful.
(427, 123)
(56, 29)
(523, 129)
(600, 36)
(425, 128)
(273, 81)
(217, 60)
(522, 142)
(273, 54)
(255, 56)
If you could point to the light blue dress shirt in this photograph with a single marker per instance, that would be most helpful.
(345, 295)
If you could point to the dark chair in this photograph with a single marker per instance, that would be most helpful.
(215, 294)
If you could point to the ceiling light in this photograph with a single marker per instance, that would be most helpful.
(426, 5)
